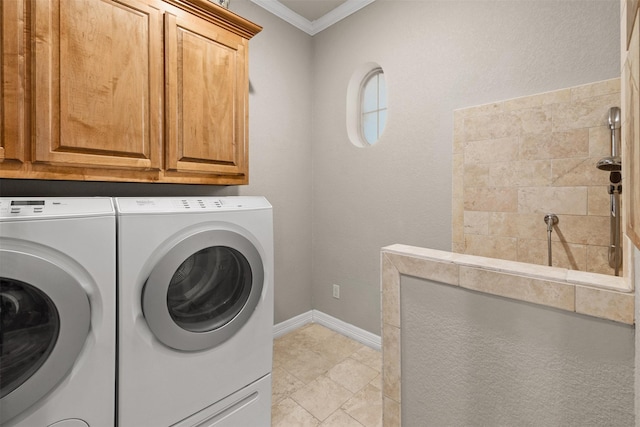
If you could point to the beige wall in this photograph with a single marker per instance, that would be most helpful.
(517, 160)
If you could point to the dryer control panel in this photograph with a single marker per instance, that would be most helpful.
(53, 207)
(189, 204)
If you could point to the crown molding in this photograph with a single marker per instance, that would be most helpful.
(312, 27)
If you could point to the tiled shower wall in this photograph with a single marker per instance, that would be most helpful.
(517, 160)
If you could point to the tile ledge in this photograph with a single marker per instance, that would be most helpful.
(574, 277)
(600, 281)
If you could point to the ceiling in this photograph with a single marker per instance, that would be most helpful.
(312, 9)
(312, 16)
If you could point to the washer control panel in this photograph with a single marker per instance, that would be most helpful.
(23, 207)
(188, 204)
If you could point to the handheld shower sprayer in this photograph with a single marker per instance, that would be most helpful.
(613, 162)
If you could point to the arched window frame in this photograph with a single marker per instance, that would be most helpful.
(354, 119)
(373, 80)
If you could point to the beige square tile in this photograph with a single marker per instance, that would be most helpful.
(564, 255)
(391, 362)
(598, 201)
(321, 397)
(605, 304)
(599, 141)
(458, 247)
(522, 226)
(559, 200)
(552, 294)
(577, 172)
(555, 145)
(377, 382)
(288, 413)
(532, 173)
(366, 406)
(313, 334)
(307, 365)
(492, 126)
(352, 375)
(370, 357)
(283, 384)
(598, 260)
(336, 348)
(534, 120)
(585, 113)
(590, 90)
(457, 220)
(458, 175)
(438, 270)
(300, 339)
(581, 229)
(391, 413)
(340, 419)
(493, 199)
(476, 175)
(492, 246)
(390, 292)
(491, 150)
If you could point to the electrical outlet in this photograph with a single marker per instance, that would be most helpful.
(336, 291)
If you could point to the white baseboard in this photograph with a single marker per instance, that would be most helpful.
(292, 324)
(314, 316)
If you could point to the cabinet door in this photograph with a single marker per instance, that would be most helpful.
(206, 98)
(97, 79)
(13, 78)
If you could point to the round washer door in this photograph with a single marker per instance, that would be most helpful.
(203, 290)
(44, 322)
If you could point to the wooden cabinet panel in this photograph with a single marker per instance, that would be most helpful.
(206, 99)
(631, 134)
(13, 78)
(124, 90)
(97, 83)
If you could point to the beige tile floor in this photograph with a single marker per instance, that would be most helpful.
(322, 378)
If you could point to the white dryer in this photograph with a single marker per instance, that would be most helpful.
(57, 310)
(195, 280)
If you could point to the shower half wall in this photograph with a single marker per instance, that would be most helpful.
(515, 161)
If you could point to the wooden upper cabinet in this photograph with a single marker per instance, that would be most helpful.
(206, 98)
(13, 91)
(97, 83)
(124, 90)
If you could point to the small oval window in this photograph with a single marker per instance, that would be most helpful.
(373, 105)
(366, 105)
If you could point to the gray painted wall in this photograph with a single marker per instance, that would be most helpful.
(476, 359)
(280, 155)
(437, 56)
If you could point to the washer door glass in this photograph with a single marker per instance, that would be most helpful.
(29, 326)
(203, 290)
(209, 289)
(45, 319)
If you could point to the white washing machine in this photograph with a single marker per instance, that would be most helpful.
(57, 310)
(195, 311)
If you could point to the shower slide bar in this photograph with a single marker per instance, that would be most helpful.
(613, 165)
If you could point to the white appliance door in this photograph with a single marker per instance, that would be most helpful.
(45, 319)
(203, 290)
